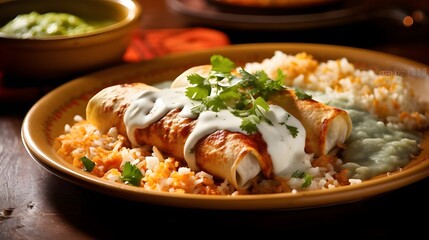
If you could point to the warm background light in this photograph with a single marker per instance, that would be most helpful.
(408, 21)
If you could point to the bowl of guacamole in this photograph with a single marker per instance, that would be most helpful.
(34, 24)
(50, 39)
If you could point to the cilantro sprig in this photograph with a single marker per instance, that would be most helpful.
(245, 96)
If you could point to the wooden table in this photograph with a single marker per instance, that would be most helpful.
(35, 204)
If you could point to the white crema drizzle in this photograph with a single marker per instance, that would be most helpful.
(287, 152)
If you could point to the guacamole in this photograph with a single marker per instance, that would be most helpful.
(35, 24)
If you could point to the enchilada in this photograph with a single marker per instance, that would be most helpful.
(293, 133)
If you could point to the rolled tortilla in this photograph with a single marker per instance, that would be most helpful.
(107, 108)
(236, 157)
(326, 126)
(182, 80)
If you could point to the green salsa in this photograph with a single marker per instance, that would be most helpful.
(373, 147)
(35, 24)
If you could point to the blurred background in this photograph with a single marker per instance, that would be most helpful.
(396, 26)
(172, 26)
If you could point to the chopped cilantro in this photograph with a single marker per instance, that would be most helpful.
(303, 175)
(260, 84)
(244, 96)
(293, 130)
(87, 163)
(131, 174)
(301, 95)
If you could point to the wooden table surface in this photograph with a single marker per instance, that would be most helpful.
(35, 204)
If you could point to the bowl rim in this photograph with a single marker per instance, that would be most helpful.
(133, 16)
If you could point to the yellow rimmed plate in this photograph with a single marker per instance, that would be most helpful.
(47, 118)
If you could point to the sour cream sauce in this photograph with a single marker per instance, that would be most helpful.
(287, 152)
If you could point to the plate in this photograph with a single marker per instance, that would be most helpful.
(336, 13)
(47, 117)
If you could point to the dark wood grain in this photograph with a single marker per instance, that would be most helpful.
(35, 204)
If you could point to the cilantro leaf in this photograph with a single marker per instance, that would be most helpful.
(221, 64)
(131, 174)
(214, 103)
(253, 116)
(260, 102)
(198, 92)
(87, 163)
(195, 79)
(301, 95)
(249, 123)
(303, 175)
(293, 130)
(280, 77)
(259, 84)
